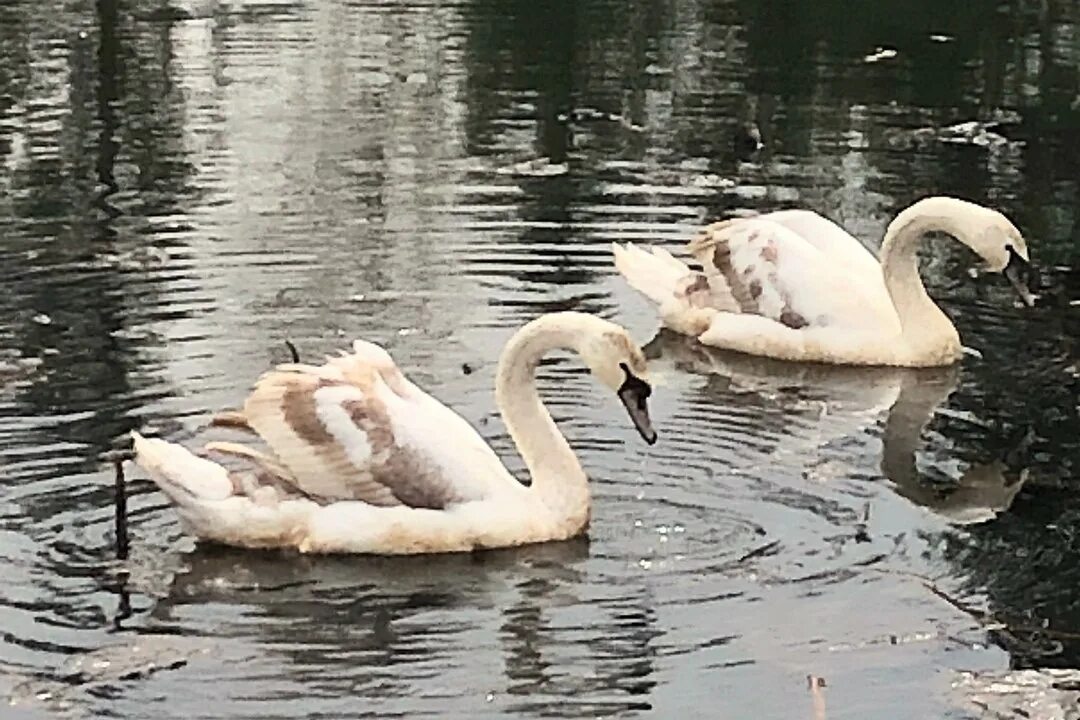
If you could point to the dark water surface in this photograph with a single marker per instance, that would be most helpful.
(183, 187)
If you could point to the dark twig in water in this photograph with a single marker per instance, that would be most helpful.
(292, 349)
(759, 551)
(120, 488)
(123, 608)
(118, 456)
(963, 607)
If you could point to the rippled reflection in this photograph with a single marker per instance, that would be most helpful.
(184, 186)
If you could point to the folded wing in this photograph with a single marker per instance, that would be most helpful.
(356, 429)
(768, 269)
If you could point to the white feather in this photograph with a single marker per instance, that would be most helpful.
(338, 422)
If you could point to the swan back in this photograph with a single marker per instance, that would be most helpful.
(772, 271)
(356, 429)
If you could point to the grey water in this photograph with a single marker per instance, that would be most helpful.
(183, 187)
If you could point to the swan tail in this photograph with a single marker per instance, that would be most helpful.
(657, 275)
(214, 504)
(186, 478)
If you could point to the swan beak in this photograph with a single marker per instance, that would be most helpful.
(634, 395)
(1016, 273)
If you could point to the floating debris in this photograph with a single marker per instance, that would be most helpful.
(538, 167)
(42, 319)
(1048, 694)
(712, 180)
(972, 352)
(973, 132)
(879, 54)
(18, 367)
(102, 671)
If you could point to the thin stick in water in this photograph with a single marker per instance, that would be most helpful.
(120, 488)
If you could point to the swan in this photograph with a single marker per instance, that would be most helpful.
(794, 285)
(360, 460)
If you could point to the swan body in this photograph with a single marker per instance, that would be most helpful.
(360, 460)
(794, 285)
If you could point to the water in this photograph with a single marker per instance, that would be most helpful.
(184, 187)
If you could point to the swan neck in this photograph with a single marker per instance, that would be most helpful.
(923, 324)
(557, 477)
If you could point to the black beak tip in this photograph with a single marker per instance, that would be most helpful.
(651, 437)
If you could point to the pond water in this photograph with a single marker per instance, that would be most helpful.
(184, 187)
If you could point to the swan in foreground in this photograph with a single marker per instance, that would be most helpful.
(360, 460)
(794, 285)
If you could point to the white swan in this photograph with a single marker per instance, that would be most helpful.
(796, 286)
(360, 460)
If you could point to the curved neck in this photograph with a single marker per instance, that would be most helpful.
(557, 477)
(922, 321)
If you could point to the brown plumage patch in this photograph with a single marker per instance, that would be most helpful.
(695, 289)
(287, 410)
(299, 412)
(754, 285)
(410, 477)
(792, 319)
(736, 282)
(628, 349)
(231, 419)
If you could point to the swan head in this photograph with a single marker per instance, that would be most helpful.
(617, 362)
(1001, 245)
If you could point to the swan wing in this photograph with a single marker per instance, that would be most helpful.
(769, 269)
(356, 429)
(830, 239)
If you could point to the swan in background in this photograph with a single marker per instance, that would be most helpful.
(360, 460)
(794, 285)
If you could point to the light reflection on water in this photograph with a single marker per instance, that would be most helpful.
(182, 190)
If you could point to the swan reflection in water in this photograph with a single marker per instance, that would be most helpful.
(910, 397)
(417, 628)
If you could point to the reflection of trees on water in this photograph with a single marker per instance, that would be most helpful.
(616, 636)
(88, 153)
(523, 70)
(92, 150)
(327, 145)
